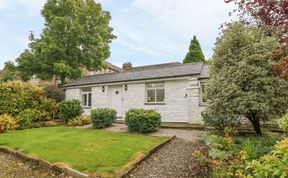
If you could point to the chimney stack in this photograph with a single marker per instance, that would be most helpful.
(127, 66)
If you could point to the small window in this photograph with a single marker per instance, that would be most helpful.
(155, 93)
(203, 93)
(86, 97)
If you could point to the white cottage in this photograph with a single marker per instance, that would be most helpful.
(173, 89)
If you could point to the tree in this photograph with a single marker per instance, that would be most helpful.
(268, 13)
(241, 82)
(76, 35)
(195, 53)
(9, 72)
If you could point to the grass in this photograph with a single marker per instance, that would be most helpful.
(87, 150)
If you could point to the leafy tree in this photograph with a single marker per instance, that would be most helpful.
(9, 72)
(195, 53)
(241, 80)
(268, 13)
(76, 35)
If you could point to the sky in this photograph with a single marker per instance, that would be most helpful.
(148, 31)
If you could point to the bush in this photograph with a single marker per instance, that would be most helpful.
(220, 122)
(79, 121)
(273, 164)
(54, 92)
(103, 117)
(70, 109)
(50, 124)
(27, 117)
(283, 123)
(17, 96)
(7, 123)
(141, 120)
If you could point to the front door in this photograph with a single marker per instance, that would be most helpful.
(117, 99)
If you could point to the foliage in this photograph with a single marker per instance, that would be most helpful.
(76, 34)
(273, 164)
(283, 123)
(28, 116)
(70, 109)
(55, 93)
(229, 156)
(271, 14)
(9, 72)
(95, 152)
(7, 123)
(141, 120)
(50, 124)
(17, 96)
(241, 81)
(80, 120)
(195, 53)
(103, 117)
(220, 122)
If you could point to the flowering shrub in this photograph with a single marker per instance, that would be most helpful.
(7, 123)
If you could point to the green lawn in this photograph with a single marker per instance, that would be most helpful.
(87, 150)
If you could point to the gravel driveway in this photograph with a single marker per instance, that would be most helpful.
(13, 167)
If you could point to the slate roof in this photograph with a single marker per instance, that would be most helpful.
(112, 66)
(205, 72)
(136, 75)
(156, 66)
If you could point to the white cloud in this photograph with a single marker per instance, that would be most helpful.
(164, 27)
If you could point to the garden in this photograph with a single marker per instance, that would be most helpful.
(36, 121)
(244, 92)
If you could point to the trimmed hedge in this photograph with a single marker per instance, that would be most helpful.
(103, 117)
(141, 120)
(70, 109)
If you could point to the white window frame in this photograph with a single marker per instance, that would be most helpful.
(202, 94)
(155, 88)
(86, 93)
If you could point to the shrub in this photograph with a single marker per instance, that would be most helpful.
(55, 93)
(79, 121)
(220, 122)
(7, 123)
(70, 109)
(17, 96)
(283, 123)
(141, 120)
(273, 164)
(103, 117)
(50, 124)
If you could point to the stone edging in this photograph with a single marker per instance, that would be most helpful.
(143, 158)
(75, 173)
(44, 163)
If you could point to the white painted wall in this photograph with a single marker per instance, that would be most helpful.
(182, 102)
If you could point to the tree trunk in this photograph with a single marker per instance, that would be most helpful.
(256, 123)
(62, 79)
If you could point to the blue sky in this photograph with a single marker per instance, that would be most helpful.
(148, 31)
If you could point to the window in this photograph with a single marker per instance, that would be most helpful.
(203, 93)
(86, 97)
(155, 93)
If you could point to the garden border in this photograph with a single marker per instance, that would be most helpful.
(135, 163)
(44, 163)
(72, 172)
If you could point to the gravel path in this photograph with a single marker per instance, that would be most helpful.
(12, 167)
(172, 161)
